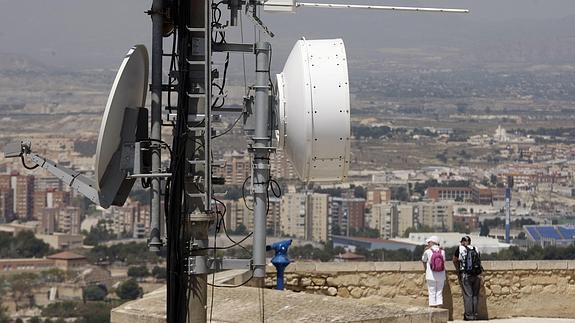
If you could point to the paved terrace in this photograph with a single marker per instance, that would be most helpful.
(382, 292)
(242, 305)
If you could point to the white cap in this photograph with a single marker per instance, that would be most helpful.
(433, 239)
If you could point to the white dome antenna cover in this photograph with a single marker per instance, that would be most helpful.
(128, 91)
(314, 125)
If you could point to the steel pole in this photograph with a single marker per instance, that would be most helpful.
(507, 215)
(156, 13)
(261, 163)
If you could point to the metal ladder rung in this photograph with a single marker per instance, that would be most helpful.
(197, 161)
(200, 29)
(196, 62)
(197, 128)
(201, 195)
(196, 95)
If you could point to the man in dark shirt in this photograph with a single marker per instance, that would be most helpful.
(470, 283)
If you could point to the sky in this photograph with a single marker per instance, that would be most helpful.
(82, 34)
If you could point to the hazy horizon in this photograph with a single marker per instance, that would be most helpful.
(80, 34)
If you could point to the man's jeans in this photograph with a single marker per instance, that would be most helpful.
(471, 285)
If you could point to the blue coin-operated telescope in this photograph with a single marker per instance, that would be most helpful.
(280, 260)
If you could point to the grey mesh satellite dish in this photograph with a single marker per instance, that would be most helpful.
(313, 110)
(124, 123)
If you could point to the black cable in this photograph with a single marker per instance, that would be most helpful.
(178, 278)
(234, 286)
(145, 183)
(230, 128)
(244, 193)
(26, 166)
(271, 182)
(215, 248)
(226, 230)
(235, 244)
(220, 101)
(165, 144)
(270, 72)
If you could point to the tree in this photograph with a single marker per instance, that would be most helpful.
(360, 192)
(484, 230)
(22, 285)
(423, 228)
(493, 179)
(98, 234)
(4, 318)
(240, 230)
(159, 272)
(399, 193)
(138, 272)
(129, 290)
(53, 275)
(131, 253)
(93, 312)
(23, 245)
(95, 293)
(442, 157)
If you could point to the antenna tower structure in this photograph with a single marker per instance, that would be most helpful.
(317, 143)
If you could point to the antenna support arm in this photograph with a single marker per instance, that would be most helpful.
(290, 5)
(74, 179)
(392, 8)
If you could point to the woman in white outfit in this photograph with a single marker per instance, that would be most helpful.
(435, 279)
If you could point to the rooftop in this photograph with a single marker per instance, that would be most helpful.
(66, 255)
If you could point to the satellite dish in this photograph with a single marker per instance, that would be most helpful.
(313, 110)
(128, 91)
(119, 126)
(125, 122)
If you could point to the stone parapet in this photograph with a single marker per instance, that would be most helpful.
(509, 288)
(339, 267)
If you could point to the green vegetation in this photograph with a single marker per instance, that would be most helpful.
(132, 253)
(53, 275)
(371, 132)
(90, 312)
(95, 293)
(21, 285)
(159, 272)
(500, 223)
(364, 232)
(129, 290)
(423, 228)
(483, 230)
(534, 253)
(399, 193)
(138, 272)
(391, 255)
(23, 245)
(4, 318)
(98, 234)
(140, 195)
(240, 230)
(309, 252)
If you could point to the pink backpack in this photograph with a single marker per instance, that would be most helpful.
(436, 262)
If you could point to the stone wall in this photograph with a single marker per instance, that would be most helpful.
(509, 288)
